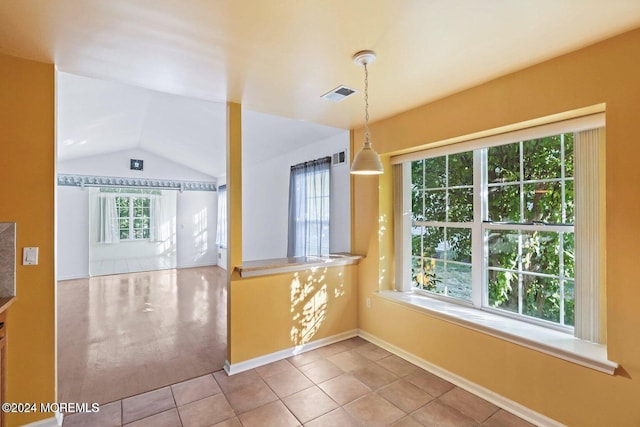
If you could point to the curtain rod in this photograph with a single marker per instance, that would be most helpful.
(115, 181)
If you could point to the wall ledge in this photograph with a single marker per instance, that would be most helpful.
(545, 340)
(291, 264)
(484, 393)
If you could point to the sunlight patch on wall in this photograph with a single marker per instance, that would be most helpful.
(309, 298)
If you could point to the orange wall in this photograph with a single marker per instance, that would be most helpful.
(608, 72)
(27, 162)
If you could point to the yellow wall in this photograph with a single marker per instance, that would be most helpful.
(607, 72)
(277, 312)
(27, 151)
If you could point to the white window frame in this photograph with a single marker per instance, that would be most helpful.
(588, 300)
(132, 217)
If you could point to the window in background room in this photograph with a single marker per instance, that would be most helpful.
(495, 227)
(309, 194)
(134, 217)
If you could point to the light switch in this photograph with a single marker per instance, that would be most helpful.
(30, 256)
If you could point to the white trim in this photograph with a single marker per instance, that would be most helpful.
(55, 421)
(484, 393)
(522, 132)
(236, 368)
(539, 338)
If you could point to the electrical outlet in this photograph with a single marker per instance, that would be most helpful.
(368, 300)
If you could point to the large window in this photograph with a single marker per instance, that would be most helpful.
(309, 196)
(134, 218)
(494, 227)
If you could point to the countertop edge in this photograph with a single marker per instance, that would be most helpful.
(5, 303)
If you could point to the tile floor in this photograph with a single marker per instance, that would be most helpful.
(126, 334)
(350, 383)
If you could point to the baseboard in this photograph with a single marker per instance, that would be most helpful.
(236, 368)
(488, 395)
(198, 264)
(73, 277)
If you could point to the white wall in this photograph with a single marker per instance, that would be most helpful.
(265, 198)
(222, 252)
(73, 209)
(73, 233)
(196, 228)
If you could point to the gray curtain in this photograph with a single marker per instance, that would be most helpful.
(309, 196)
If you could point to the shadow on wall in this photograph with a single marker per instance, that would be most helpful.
(309, 302)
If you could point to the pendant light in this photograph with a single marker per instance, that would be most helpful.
(367, 161)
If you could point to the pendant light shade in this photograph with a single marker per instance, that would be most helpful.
(367, 161)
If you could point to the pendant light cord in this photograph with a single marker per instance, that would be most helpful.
(366, 105)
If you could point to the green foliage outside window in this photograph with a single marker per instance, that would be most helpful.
(133, 217)
(526, 183)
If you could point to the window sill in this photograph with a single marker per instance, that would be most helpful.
(548, 341)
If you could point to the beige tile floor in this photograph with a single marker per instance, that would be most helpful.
(350, 383)
(122, 335)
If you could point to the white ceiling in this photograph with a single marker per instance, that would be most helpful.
(279, 56)
(98, 117)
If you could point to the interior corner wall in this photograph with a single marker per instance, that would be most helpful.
(196, 228)
(27, 169)
(607, 72)
(265, 200)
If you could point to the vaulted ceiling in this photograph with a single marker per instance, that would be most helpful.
(279, 56)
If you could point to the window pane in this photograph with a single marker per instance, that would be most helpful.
(123, 223)
(504, 203)
(416, 241)
(569, 158)
(137, 223)
(569, 206)
(123, 212)
(423, 274)
(542, 158)
(435, 172)
(503, 290)
(433, 242)
(461, 169)
(459, 244)
(145, 233)
(461, 205)
(543, 202)
(503, 249)
(569, 255)
(417, 178)
(137, 234)
(540, 252)
(503, 163)
(124, 234)
(569, 303)
(434, 205)
(438, 280)
(137, 212)
(541, 297)
(417, 209)
(458, 281)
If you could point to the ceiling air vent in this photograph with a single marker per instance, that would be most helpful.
(339, 93)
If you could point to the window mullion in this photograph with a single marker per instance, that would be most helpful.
(478, 247)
